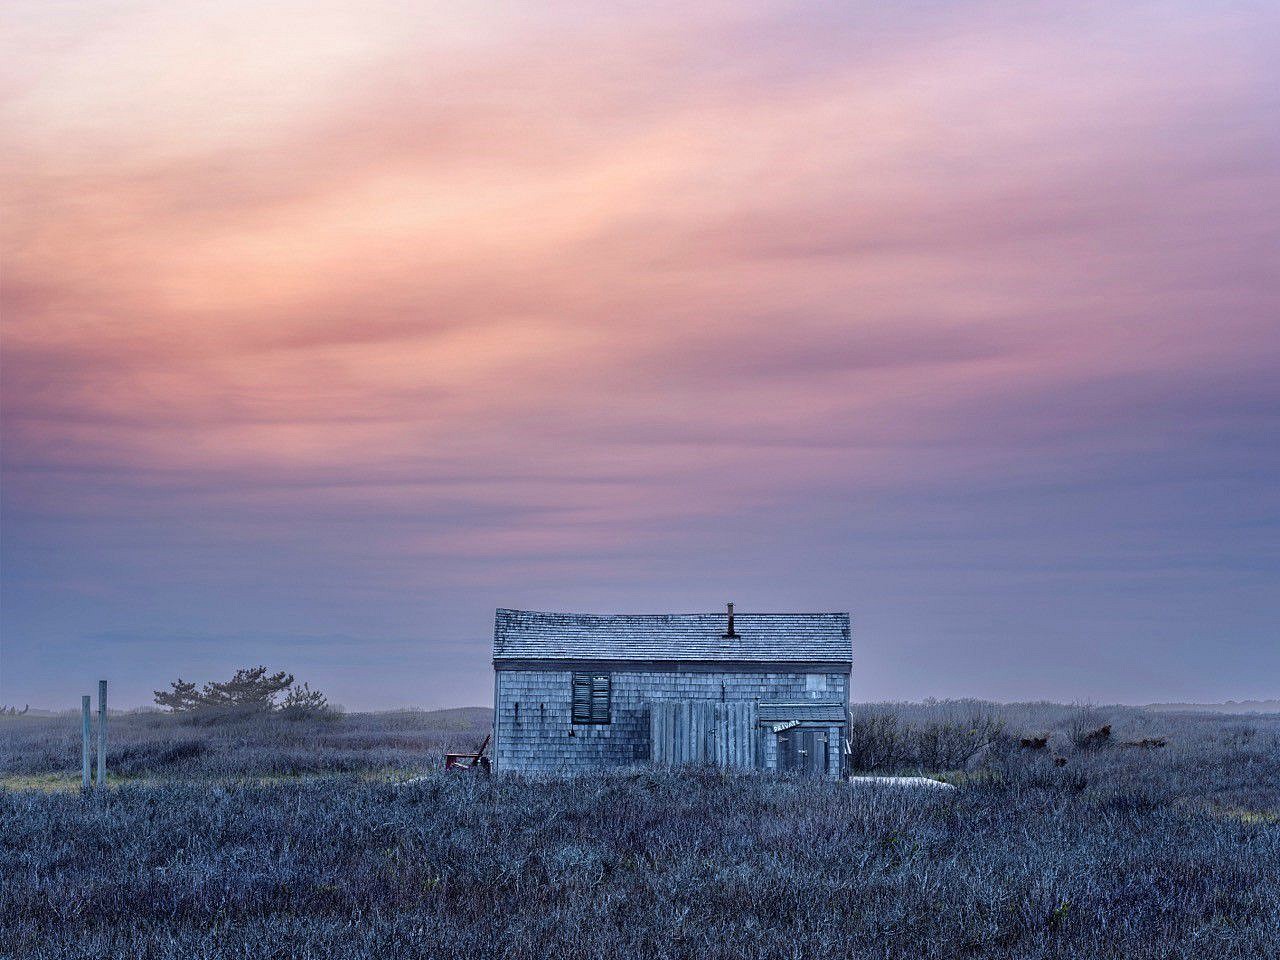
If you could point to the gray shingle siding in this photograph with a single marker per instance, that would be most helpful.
(535, 733)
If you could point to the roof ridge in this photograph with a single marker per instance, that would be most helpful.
(698, 613)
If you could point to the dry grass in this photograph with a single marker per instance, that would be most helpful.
(1144, 854)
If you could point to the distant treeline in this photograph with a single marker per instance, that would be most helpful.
(1231, 706)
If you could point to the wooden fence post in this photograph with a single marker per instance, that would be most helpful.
(102, 734)
(84, 752)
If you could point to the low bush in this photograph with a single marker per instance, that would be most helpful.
(880, 740)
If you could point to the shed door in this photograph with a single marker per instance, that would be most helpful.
(703, 731)
(803, 751)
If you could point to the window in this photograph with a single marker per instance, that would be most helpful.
(591, 698)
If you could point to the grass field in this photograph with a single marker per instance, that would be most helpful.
(149, 746)
(293, 839)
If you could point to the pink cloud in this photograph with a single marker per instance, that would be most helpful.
(510, 286)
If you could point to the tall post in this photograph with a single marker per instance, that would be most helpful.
(102, 734)
(85, 749)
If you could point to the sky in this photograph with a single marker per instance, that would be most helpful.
(330, 327)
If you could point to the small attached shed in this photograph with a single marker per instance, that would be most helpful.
(581, 692)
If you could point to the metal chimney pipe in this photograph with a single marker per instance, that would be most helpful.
(729, 634)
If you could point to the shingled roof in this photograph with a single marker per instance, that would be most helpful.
(762, 637)
(828, 710)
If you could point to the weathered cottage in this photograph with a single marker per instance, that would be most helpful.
(579, 692)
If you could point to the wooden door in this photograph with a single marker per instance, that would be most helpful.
(702, 731)
(803, 752)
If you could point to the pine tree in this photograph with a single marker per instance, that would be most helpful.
(182, 697)
(249, 689)
(302, 702)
